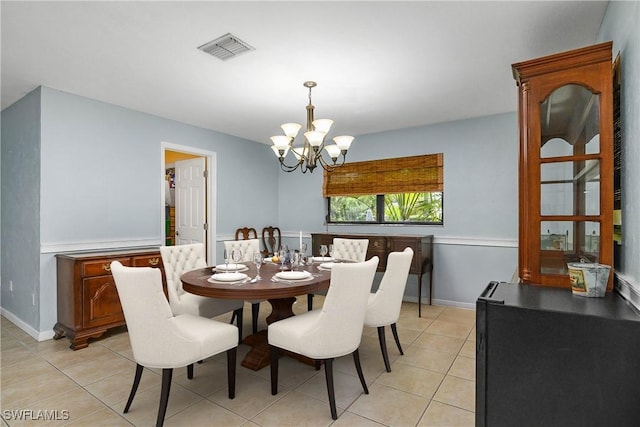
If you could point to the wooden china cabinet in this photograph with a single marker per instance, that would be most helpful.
(566, 163)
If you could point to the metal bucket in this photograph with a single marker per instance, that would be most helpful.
(588, 279)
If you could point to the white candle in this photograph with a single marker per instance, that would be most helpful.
(300, 245)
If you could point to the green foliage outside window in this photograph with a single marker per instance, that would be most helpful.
(421, 208)
(352, 208)
(413, 207)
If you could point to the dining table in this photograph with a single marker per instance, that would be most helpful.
(280, 292)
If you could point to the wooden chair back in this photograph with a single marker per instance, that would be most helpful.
(246, 233)
(271, 240)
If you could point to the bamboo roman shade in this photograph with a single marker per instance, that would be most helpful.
(414, 174)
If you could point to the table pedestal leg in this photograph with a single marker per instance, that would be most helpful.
(280, 309)
(258, 357)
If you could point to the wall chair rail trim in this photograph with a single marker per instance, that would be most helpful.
(49, 248)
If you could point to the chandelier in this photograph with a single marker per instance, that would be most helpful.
(309, 155)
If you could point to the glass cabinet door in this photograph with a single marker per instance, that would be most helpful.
(569, 177)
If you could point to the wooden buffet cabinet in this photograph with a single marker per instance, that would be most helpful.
(566, 163)
(88, 302)
(382, 245)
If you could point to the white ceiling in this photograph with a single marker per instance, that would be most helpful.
(379, 65)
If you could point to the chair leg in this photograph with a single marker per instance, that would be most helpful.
(383, 347)
(309, 302)
(231, 371)
(255, 309)
(164, 395)
(356, 361)
(190, 371)
(237, 315)
(134, 387)
(328, 373)
(395, 337)
(274, 355)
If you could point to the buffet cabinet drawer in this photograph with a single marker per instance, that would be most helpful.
(102, 267)
(88, 302)
(147, 261)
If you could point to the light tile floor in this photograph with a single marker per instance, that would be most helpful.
(433, 384)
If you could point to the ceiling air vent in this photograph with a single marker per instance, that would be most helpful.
(226, 47)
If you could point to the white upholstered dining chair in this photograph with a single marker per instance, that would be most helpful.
(354, 250)
(350, 249)
(177, 260)
(248, 248)
(334, 330)
(164, 341)
(384, 305)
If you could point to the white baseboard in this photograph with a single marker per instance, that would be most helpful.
(28, 329)
(444, 302)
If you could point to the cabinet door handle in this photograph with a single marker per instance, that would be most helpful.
(106, 267)
(154, 261)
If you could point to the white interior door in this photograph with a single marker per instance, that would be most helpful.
(190, 195)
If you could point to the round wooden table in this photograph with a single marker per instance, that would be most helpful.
(281, 295)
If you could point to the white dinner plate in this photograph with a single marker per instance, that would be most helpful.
(322, 259)
(326, 265)
(231, 267)
(293, 275)
(229, 277)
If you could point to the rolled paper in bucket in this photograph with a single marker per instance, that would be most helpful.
(588, 279)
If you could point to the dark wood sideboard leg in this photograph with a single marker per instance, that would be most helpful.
(420, 295)
(78, 340)
(430, 282)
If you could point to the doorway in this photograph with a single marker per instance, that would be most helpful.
(201, 199)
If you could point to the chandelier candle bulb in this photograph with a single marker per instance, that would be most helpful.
(334, 151)
(291, 129)
(281, 141)
(343, 141)
(322, 125)
(315, 137)
(275, 150)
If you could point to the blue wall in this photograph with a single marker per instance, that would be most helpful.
(91, 177)
(21, 208)
(621, 24)
(478, 241)
(101, 171)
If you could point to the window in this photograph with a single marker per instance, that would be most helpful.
(405, 190)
